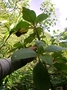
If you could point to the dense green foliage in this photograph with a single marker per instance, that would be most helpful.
(48, 70)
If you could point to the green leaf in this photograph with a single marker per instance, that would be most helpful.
(41, 17)
(22, 28)
(40, 45)
(40, 49)
(23, 54)
(61, 66)
(47, 58)
(29, 15)
(30, 38)
(39, 30)
(22, 24)
(54, 48)
(41, 77)
(18, 45)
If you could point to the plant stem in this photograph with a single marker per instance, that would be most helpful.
(52, 88)
(37, 33)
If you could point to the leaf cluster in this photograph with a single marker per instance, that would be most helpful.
(44, 52)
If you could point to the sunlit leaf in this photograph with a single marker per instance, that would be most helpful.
(41, 77)
(41, 17)
(18, 45)
(20, 27)
(22, 24)
(29, 15)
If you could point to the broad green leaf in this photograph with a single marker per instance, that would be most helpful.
(61, 66)
(54, 48)
(29, 15)
(41, 17)
(41, 77)
(40, 49)
(18, 45)
(22, 28)
(40, 45)
(21, 25)
(21, 31)
(47, 58)
(23, 54)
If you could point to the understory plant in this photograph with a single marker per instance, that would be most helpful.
(48, 54)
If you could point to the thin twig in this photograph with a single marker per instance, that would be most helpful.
(37, 33)
(4, 41)
(52, 88)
